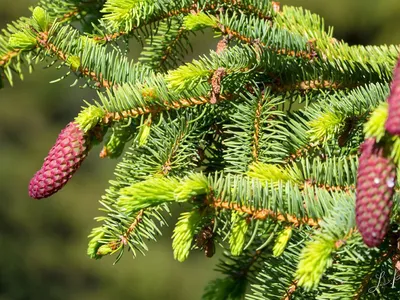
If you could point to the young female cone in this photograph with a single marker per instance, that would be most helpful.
(376, 178)
(64, 158)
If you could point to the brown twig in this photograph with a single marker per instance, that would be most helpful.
(222, 44)
(255, 146)
(135, 222)
(216, 84)
(8, 56)
(304, 151)
(307, 85)
(116, 116)
(262, 214)
(166, 167)
(123, 239)
(231, 33)
(330, 188)
(290, 291)
(70, 15)
(169, 48)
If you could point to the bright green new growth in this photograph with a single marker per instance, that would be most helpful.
(183, 234)
(74, 62)
(186, 77)
(126, 14)
(238, 235)
(314, 260)
(42, 19)
(144, 194)
(93, 248)
(375, 127)
(22, 40)
(144, 131)
(325, 126)
(256, 140)
(282, 241)
(89, 117)
(199, 21)
(273, 173)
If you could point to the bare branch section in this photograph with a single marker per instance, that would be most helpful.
(116, 116)
(311, 85)
(290, 291)
(262, 214)
(10, 55)
(70, 15)
(257, 129)
(231, 33)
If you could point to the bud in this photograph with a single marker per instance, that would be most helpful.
(375, 186)
(282, 241)
(74, 62)
(104, 250)
(393, 121)
(216, 84)
(63, 160)
(94, 244)
(115, 143)
(42, 18)
(22, 40)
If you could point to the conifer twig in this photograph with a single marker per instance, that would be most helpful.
(291, 290)
(184, 10)
(8, 56)
(255, 146)
(168, 50)
(98, 78)
(262, 214)
(116, 116)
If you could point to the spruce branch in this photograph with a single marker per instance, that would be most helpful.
(259, 141)
(166, 48)
(80, 55)
(175, 139)
(120, 20)
(174, 85)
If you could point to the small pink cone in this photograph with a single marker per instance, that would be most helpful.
(64, 158)
(376, 179)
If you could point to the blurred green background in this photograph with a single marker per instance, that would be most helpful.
(43, 243)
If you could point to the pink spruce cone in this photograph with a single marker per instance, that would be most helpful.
(375, 186)
(393, 121)
(63, 160)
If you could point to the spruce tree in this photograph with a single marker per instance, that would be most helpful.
(281, 144)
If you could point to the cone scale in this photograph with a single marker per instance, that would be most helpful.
(375, 187)
(64, 158)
